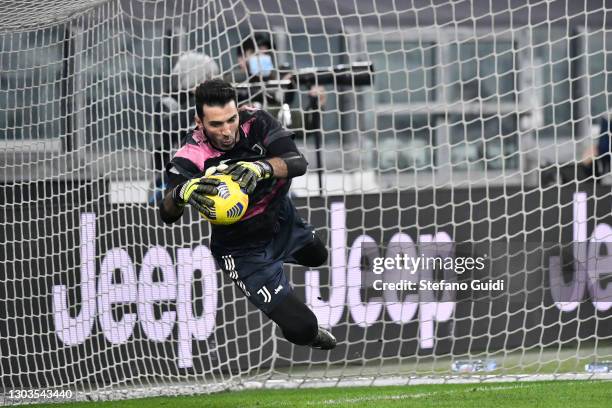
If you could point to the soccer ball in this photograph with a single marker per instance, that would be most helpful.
(231, 202)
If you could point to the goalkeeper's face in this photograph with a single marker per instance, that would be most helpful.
(220, 124)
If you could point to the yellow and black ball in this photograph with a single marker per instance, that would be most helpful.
(231, 202)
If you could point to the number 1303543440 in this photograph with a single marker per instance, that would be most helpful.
(40, 394)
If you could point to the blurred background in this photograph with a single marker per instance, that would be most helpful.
(463, 93)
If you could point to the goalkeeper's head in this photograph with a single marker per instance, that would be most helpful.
(217, 113)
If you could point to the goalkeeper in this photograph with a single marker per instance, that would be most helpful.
(260, 155)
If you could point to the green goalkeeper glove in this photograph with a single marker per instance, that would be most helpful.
(248, 174)
(194, 192)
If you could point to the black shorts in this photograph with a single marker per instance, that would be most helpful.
(259, 272)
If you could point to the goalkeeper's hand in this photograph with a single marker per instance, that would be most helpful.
(194, 192)
(248, 174)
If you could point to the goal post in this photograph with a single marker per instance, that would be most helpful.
(431, 153)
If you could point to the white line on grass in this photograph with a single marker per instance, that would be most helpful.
(421, 394)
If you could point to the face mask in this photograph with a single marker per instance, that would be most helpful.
(260, 64)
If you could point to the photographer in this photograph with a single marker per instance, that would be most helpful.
(257, 65)
(259, 84)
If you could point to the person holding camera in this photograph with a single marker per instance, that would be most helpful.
(257, 70)
(256, 63)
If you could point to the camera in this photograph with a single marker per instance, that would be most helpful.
(286, 79)
(355, 74)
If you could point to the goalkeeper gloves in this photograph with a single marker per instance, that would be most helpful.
(194, 192)
(248, 174)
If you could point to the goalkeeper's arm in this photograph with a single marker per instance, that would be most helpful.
(285, 161)
(285, 158)
(288, 165)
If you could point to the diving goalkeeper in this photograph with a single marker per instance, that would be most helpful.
(251, 252)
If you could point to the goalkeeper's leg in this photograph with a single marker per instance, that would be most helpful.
(262, 279)
(299, 324)
(312, 254)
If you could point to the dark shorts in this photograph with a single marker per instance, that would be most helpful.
(259, 272)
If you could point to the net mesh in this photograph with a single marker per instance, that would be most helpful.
(471, 109)
(21, 15)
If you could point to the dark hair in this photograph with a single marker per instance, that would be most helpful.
(252, 42)
(214, 92)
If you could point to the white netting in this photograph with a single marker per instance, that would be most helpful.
(470, 104)
(20, 15)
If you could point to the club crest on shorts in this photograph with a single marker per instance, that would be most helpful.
(265, 293)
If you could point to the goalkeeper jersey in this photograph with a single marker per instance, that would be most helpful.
(261, 136)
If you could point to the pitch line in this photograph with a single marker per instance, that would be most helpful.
(420, 395)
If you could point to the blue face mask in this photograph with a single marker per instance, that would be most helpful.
(260, 64)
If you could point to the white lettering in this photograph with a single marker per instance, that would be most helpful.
(377, 265)
(429, 312)
(600, 265)
(110, 294)
(70, 330)
(329, 313)
(149, 293)
(589, 265)
(401, 312)
(364, 314)
(188, 325)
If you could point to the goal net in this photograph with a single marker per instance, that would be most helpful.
(469, 137)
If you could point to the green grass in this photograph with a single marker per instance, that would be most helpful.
(549, 394)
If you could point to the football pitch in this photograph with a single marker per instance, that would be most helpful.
(546, 394)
